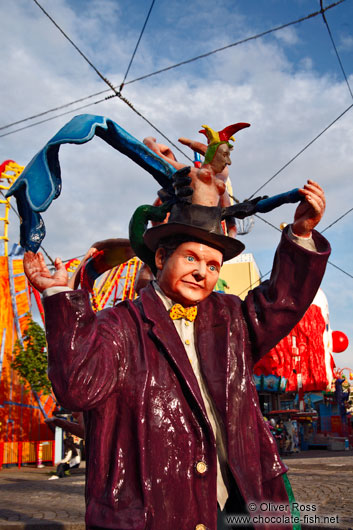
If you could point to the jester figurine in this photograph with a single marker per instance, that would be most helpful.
(207, 183)
(175, 438)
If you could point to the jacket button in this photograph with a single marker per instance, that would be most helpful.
(200, 527)
(201, 468)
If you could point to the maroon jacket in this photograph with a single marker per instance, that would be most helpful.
(146, 424)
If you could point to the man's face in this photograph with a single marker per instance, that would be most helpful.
(189, 275)
(221, 158)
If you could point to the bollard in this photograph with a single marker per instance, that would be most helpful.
(39, 455)
(19, 455)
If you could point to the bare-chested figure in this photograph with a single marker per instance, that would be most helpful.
(208, 181)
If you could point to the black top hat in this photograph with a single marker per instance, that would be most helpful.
(200, 222)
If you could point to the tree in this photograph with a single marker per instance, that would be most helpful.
(31, 359)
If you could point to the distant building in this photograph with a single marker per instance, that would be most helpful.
(241, 274)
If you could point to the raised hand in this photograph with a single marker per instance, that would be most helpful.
(38, 274)
(310, 210)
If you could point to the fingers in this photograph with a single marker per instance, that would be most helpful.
(59, 265)
(34, 265)
(181, 182)
(310, 210)
(28, 264)
(315, 196)
(60, 275)
(195, 146)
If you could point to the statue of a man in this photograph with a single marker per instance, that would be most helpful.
(174, 433)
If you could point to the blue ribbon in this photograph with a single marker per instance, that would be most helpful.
(40, 182)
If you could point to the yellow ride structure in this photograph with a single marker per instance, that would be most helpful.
(22, 412)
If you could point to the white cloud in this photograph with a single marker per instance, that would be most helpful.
(288, 36)
(346, 43)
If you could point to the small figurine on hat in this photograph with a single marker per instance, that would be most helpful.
(209, 181)
(217, 158)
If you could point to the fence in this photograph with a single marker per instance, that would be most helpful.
(19, 453)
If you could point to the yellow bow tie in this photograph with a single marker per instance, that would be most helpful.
(178, 311)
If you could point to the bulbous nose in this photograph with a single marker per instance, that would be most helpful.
(200, 271)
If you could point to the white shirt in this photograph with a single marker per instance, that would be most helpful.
(186, 332)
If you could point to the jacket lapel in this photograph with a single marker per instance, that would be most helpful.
(164, 332)
(212, 338)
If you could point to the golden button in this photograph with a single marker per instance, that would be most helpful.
(187, 323)
(187, 342)
(201, 467)
(200, 527)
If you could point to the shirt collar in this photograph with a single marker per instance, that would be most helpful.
(167, 302)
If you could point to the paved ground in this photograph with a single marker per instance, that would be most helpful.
(28, 501)
(324, 479)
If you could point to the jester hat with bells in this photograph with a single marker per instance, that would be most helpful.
(215, 139)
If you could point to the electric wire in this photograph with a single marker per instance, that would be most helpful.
(336, 221)
(335, 48)
(137, 45)
(52, 117)
(96, 103)
(116, 92)
(339, 268)
(302, 150)
(330, 262)
(237, 43)
(255, 283)
(169, 67)
(65, 105)
(172, 143)
(75, 46)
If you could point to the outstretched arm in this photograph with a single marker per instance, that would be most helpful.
(277, 305)
(163, 151)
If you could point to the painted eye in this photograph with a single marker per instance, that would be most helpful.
(190, 258)
(212, 268)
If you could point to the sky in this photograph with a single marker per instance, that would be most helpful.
(288, 85)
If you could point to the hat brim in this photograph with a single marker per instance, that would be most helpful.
(227, 245)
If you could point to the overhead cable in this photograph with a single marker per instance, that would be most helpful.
(302, 150)
(171, 66)
(237, 43)
(339, 218)
(335, 48)
(116, 92)
(76, 47)
(255, 283)
(137, 45)
(339, 268)
(65, 105)
(330, 262)
(52, 117)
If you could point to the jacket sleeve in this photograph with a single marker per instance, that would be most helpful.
(276, 306)
(84, 350)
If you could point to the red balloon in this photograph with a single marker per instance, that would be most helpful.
(339, 341)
